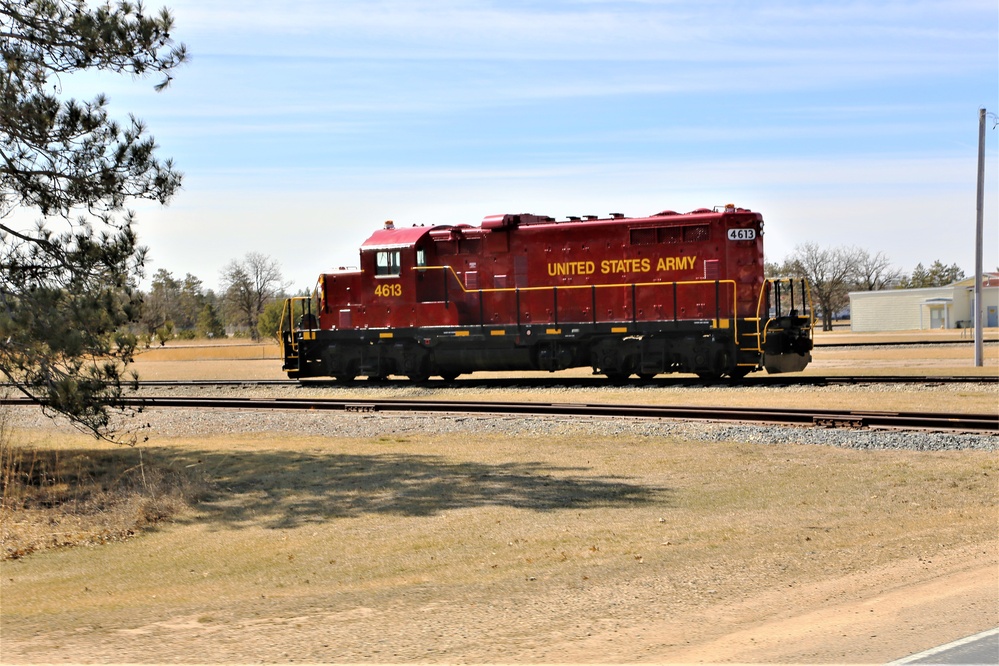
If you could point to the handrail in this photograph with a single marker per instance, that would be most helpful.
(288, 315)
(769, 320)
(633, 285)
(567, 286)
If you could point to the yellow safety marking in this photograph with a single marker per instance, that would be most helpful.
(308, 335)
(619, 329)
(723, 323)
(553, 331)
(570, 268)
(461, 334)
(385, 335)
(500, 332)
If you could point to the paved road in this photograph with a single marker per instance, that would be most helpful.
(981, 648)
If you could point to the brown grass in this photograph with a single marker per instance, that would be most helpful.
(233, 350)
(503, 532)
(59, 491)
(118, 492)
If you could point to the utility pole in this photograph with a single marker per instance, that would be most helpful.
(979, 225)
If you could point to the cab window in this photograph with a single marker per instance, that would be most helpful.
(387, 262)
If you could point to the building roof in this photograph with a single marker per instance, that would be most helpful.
(989, 279)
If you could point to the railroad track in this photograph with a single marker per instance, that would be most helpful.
(595, 382)
(903, 343)
(977, 423)
(588, 382)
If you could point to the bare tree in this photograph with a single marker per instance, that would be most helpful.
(829, 273)
(249, 285)
(873, 272)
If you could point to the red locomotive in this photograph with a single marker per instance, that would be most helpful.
(627, 296)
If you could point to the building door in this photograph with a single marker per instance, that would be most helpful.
(938, 318)
(992, 316)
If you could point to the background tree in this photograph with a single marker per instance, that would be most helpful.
(829, 272)
(772, 269)
(920, 278)
(833, 273)
(159, 306)
(190, 303)
(938, 275)
(66, 294)
(209, 324)
(941, 275)
(178, 302)
(269, 324)
(165, 332)
(872, 272)
(248, 286)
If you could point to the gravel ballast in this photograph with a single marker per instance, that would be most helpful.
(183, 422)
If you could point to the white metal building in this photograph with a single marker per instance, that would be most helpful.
(917, 309)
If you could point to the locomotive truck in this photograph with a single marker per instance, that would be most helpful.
(627, 296)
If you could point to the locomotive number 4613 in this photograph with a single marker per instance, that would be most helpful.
(391, 289)
(741, 234)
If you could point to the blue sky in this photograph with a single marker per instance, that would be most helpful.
(301, 127)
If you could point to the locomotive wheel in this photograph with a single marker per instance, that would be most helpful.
(344, 379)
(710, 376)
(417, 366)
(645, 376)
(449, 376)
(739, 373)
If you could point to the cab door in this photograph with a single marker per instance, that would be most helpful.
(387, 289)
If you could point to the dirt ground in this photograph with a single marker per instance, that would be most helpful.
(271, 578)
(556, 548)
(870, 617)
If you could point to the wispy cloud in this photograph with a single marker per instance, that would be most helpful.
(706, 31)
(895, 205)
(825, 115)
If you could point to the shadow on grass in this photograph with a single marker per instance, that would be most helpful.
(288, 489)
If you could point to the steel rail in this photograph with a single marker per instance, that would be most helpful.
(978, 423)
(902, 343)
(598, 382)
(471, 381)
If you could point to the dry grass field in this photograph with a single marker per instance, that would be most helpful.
(365, 538)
